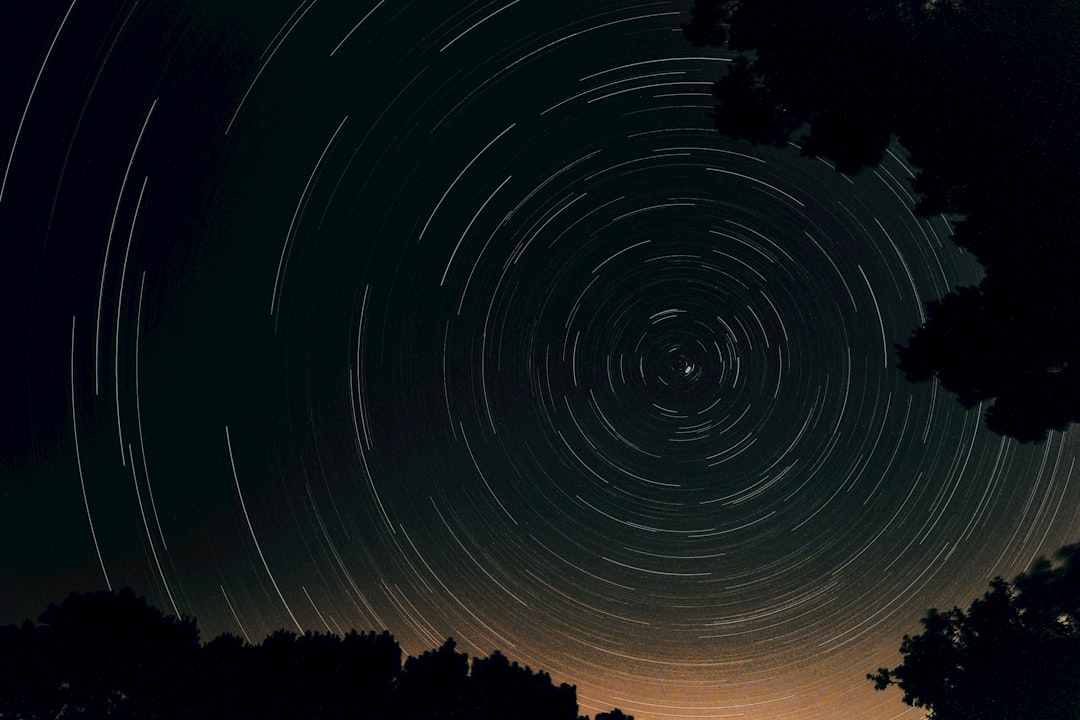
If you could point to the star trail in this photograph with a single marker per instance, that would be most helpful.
(465, 321)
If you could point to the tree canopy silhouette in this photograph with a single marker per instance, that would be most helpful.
(1013, 654)
(985, 96)
(615, 714)
(504, 689)
(97, 654)
(107, 654)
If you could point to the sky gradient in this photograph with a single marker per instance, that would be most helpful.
(468, 323)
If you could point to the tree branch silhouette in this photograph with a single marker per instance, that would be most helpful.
(1013, 654)
(985, 96)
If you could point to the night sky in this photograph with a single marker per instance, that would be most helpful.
(467, 322)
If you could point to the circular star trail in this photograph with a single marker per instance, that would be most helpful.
(466, 322)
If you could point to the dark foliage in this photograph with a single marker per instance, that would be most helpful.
(1013, 654)
(615, 714)
(94, 655)
(708, 19)
(111, 655)
(985, 95)
(324, 676)
(504, 689)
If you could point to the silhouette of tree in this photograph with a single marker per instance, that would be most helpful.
(228, 684)
(987, 108)
(112, 655)
(313, 675)
(708, 20)
(26, 684)
(99, 654)
(1013, 654)
(504, 689)
(615, 714)
(434, 686)
(373, 663)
